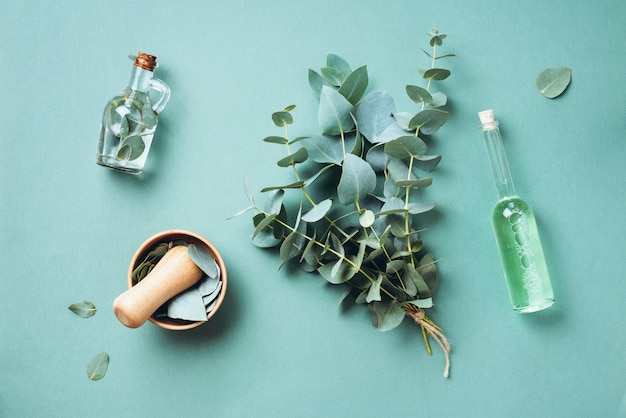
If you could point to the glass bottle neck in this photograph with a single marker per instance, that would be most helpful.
(497, 158)
(140, 80)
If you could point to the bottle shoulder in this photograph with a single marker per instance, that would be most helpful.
(510, 204)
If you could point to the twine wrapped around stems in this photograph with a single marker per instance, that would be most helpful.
(420, 318)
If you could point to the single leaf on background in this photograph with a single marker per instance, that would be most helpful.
(428, 121)
(83, 309)
(297, 157)
(334, 111)
(358, 179)
(318, 211)
(552, 82)
(201, 258)
(355, 85)
(98, 366)
(389, 315)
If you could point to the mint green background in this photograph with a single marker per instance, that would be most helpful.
(280, 347)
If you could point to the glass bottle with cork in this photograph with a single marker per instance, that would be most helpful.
(516, 231)
(130, 119)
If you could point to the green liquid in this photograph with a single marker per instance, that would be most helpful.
(522, 257)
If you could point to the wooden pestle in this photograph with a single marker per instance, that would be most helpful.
(174, 273)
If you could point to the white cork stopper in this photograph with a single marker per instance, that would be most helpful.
(487, 119)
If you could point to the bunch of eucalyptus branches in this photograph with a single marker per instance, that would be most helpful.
(357, 222)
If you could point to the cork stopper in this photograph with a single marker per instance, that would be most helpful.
(145, 61)
(487, 119)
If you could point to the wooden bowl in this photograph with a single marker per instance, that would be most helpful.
(189, 238)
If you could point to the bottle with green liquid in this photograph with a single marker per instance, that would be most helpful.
(516, 232)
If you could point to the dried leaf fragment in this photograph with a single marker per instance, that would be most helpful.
(97, 367)
(83, 309)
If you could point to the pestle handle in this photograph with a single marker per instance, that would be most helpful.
(174, 273)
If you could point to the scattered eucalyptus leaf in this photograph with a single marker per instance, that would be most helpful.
(83, 309)
(552, 82)
(98, 366)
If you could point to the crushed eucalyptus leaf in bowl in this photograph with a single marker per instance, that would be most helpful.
(197, 303)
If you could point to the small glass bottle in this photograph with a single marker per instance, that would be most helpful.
(130, 119)
(516, 232)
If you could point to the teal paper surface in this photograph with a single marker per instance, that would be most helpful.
(280, 346)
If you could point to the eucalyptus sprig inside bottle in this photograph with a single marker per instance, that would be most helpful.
(130, 119)
(358, 222)
(516, 232)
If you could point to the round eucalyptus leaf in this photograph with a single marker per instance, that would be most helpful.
(83, 309)
(367, 218)
(552, 82)
(282, 118)
(97, 367)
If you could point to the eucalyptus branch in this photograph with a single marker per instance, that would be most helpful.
(362, 233)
